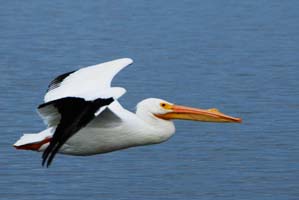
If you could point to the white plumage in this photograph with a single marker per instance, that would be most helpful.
(84, 116)
(91, 82)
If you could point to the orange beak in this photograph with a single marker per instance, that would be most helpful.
(196, 114)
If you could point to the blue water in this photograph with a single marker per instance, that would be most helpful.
(238, 56)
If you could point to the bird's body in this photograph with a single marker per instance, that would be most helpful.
(84, 116)
(110, 132)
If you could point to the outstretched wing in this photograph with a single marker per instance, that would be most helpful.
(88, 83)
(74, 99)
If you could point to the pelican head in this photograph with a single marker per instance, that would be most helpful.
(161, 109)
(159, 114)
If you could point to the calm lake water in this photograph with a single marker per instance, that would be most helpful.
(238, 56)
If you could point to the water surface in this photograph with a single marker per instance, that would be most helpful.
(241, 57)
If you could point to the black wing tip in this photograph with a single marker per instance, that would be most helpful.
(44, 162)
(45, 158)
(48, 156)
(47, 162)
(55, 83)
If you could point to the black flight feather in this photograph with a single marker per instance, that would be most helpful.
(75, 113)
(58, 80)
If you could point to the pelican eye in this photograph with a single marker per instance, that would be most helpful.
(166, 106)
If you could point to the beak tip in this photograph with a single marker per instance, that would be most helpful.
(239, 120)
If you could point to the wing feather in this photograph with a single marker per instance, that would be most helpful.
(90, 82)
(75, 98)
(75, 114)
(58, 80)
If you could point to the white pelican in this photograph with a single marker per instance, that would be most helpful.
(84, 117)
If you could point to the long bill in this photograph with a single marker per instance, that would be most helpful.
(197, 114)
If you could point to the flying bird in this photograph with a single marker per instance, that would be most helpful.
(83, 116)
